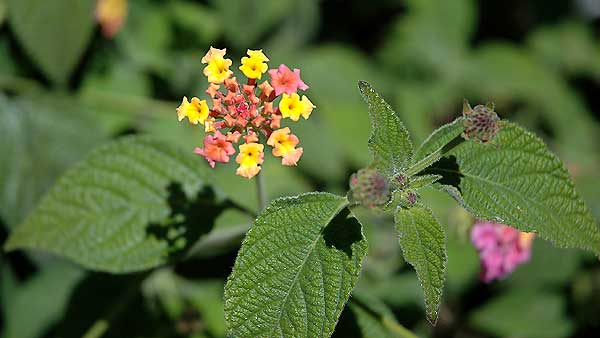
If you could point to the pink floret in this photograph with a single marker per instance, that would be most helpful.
(216, 149)
(284, 80)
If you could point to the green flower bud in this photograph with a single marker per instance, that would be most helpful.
(370, 188)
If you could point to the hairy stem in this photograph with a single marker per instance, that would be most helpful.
(424, 163)
(434, 156)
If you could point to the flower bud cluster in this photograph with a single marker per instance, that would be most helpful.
(481, 123)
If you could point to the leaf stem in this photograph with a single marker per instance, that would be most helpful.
(260, 191)
(424, 163)
(397, 328)
(433, 157)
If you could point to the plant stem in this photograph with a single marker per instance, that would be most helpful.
(97, 330)
(424, 163)
(434, 156)
(260, 191)
(397, 328)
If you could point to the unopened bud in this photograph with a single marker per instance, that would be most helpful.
(481, 123)
(370, 188)
(401, 179)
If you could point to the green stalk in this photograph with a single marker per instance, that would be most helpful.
(260, 191)
(397, 328)
(433, 157)
(424, 163)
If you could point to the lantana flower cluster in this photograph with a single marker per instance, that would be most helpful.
(245, 113)
(501, 249)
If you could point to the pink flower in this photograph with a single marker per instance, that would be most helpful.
(216, 149)
(501, 249)
(284, 80)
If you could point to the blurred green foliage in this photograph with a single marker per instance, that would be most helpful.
(66, 89)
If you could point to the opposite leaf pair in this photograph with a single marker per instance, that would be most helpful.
(134, 204)
(284, 282)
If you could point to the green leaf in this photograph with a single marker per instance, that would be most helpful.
(295, 270)
(423, 243)
(517, 181)
(42, 138)
(389, 141)
(54, 42)
(438, 139)
(128, 206)
(524, 314)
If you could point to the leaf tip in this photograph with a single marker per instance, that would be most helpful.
(364, 86)
(432, 317)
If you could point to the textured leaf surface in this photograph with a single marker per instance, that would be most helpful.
(295, 270)
(53, 41)
(423, 243)
(519, 182)
(126, 207)
(389, 141)
(438, 139)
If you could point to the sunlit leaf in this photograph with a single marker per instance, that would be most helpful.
(423, 243)
(295, 270)
(516, 180)
(389, 142)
